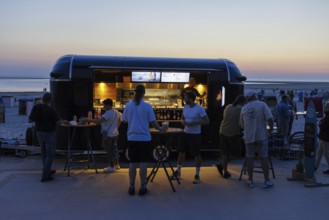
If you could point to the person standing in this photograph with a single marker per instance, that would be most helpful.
(190, 88)
(254, 117)
(230, 133)
(193, 117)
(139, 114)
(283, 116)
(323, 148)
(292, 110)
(110, 122)
(46, 118)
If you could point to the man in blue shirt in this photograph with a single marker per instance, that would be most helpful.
(283, 116)
(139, 114)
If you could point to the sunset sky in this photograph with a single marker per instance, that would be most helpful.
(281, 39)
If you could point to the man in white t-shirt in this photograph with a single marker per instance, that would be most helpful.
(254, 117)
(192, 118)
(110, 122)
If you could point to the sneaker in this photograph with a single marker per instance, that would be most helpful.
(142, 191)
(220, 169)
(267, 184)
(47, 179)
(117, 167)
(250, 183)
(227, 175)
(109, 169)
(196, 179)
(52, 172)
(131, 190)
(176, 174)
(326, 172)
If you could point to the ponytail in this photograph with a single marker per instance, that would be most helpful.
(139, 94)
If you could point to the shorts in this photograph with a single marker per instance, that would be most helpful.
(261, 147)
(138, 151)
(230, 145)
(190, 143)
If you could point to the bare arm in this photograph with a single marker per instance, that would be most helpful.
(204, 121)
(157, 126)
(270, 124)
(97, 121)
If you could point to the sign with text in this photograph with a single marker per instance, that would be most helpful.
(175, 77)
(145, 76)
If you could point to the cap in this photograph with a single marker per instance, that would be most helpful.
(108, 102)
(140, 89)
(326, 107)
(250, 93)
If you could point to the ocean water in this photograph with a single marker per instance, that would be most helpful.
(23, 85)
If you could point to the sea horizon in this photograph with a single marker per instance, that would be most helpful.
(41, 84)
(248, 80)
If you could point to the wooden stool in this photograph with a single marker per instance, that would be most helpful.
(257, 169)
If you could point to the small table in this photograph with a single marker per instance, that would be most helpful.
(163, 139)
(70, 139)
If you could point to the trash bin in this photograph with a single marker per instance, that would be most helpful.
(2, 111)
(9, 101)
(2, 117)
(29, 106)
(22, 105)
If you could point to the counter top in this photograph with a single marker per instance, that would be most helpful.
(168, 131)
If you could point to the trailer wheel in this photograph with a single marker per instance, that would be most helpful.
(29, 136)
(160, 149)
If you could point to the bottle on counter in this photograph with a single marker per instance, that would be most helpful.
(178, 116)
(168, 115)
(90, 115)
(164, 115)
(75, 118)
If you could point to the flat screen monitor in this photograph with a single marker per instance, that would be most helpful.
(139, 76)
(175, 77)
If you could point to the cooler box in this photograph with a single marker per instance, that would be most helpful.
(9, 101)
(317, 101)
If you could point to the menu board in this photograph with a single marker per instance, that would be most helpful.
(175, 77)
(137, 76)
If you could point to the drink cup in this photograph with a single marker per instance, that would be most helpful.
(165, 125)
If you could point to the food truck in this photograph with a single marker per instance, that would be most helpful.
(79, 83)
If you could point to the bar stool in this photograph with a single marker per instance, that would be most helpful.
(257, 168)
